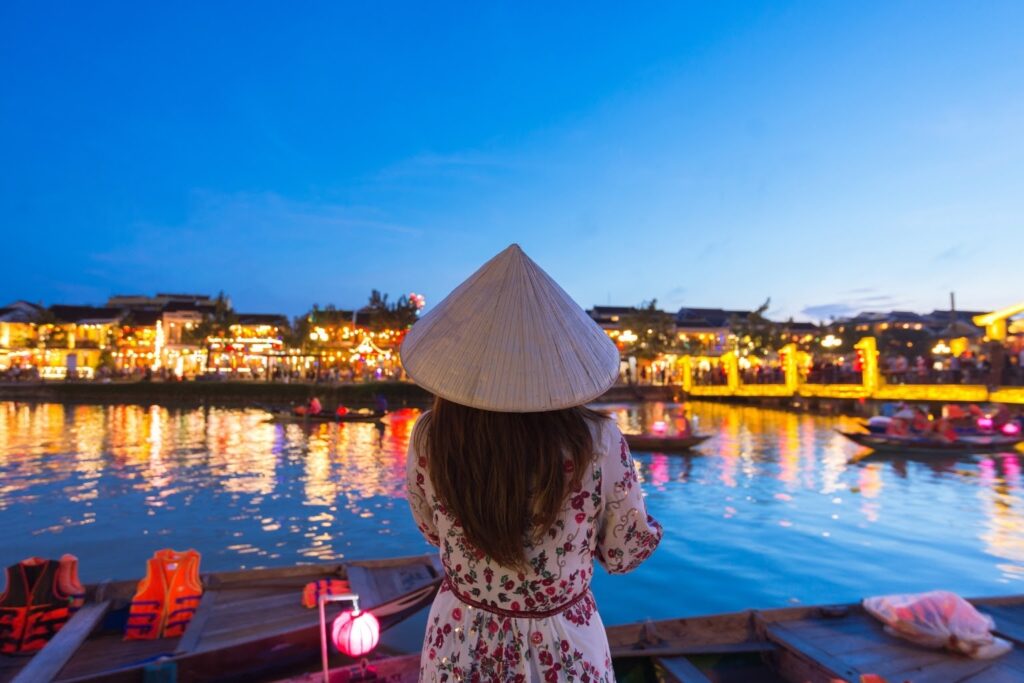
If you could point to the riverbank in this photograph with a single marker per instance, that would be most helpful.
(248, 393)
(227, 394)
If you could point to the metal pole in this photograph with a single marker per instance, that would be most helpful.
(322, 602)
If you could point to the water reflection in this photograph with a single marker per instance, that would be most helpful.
(776, 507)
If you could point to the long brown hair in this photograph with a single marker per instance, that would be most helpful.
(505, 476)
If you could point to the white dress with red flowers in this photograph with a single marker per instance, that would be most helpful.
(490, 623)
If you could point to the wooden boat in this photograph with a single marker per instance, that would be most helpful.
(289, 417)
(247, 621)
(964, 445)
(664, 444)
(790, 645)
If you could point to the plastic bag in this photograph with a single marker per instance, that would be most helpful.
(938, 619)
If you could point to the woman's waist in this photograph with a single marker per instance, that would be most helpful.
(528, 602)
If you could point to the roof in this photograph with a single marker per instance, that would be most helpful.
(340, 317)
(611, 310)
(175, 306)
(85, 315)
(20, 312)
(184, 297)
(142, 318)
(801, 326)
(707, 317)
(262, 319)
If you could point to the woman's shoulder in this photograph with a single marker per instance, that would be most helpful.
(605, 432)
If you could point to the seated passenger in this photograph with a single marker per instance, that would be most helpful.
(897, 427)
(944, 431)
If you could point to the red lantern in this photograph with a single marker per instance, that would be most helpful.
(356, 633)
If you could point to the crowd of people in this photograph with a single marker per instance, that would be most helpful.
(1000, 367)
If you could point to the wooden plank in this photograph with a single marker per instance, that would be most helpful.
(377, 585)
(778, 633)
(194, 631)
(48, 662)
(363, 582)
(887, 656)
(682, 670)
(995, 674)
(680, 650)
(1009, 622)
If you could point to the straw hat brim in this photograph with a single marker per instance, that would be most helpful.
(509, 339)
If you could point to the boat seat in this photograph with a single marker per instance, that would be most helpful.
(681, 670)
(47, 663)
(1009, 620)
(189, 640)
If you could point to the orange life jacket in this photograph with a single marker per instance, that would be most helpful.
(167, 597)
(67, 581)
(314, 589)
(39, 599)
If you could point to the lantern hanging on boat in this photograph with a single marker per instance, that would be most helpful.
(355, 633)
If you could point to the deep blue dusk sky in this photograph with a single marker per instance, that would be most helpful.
(835, 156)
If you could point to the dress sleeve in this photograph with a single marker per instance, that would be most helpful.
(626, 534)
(417, 489)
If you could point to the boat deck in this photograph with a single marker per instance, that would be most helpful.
(852, 644)
(246, 621)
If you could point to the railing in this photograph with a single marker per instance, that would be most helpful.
(725, 379)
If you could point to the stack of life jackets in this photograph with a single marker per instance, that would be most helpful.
(40, 597)
(167, 597)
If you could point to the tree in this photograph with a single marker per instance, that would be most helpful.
(654, 330)
(215, 324)
(397, 316)
(756, 332)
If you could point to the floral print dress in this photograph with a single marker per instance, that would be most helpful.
(491, 623)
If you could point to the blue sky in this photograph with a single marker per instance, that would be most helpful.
(833, 156)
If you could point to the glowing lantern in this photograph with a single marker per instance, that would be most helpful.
(984, 423)
(658, 427)
(355, 633)
(1011, 429)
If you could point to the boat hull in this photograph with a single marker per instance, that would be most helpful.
(790, 645)
(664, 444)
(249, 625)
(965, 445)
(289, 418)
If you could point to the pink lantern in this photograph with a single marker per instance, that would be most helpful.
(658, 427)
(984, 423)
(1011, 429)
(356, 633)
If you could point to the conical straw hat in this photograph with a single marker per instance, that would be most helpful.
(509, 339)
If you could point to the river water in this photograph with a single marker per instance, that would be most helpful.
(776, 509)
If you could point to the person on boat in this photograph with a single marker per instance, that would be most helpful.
(897, 427)
(944, 431)
(920, 424)
(311, 408)
(520, 485)
(1000, 417)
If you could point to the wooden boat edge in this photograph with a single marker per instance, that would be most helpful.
(120, 592)
(751, 624)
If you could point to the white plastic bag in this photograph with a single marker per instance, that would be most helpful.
(938, 619)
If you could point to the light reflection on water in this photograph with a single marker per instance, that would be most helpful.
(771, 511)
